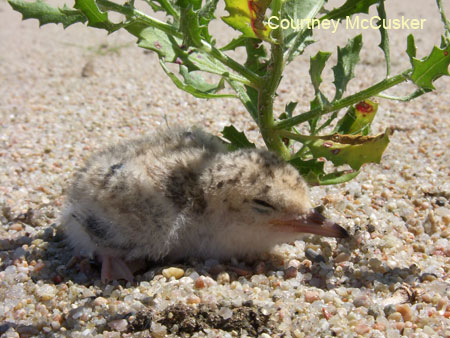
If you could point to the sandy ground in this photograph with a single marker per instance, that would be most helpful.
(67, 93)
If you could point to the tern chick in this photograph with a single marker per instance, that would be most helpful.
(180, 194)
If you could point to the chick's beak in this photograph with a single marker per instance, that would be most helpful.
(312, 223)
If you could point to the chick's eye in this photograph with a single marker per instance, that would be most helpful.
(264, 204)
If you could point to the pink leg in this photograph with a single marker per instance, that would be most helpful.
(114, 268)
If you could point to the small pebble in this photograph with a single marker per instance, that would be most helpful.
(361, 301)
(223, 278)
(225, 312)
(426, 297)
(311, 296)
(342, 257)
(27, 331)
(314, 256)
(173, 272)
(326, 314)
(200, 282)
(307, 263)
(46, 292)
(294, 263)
(440, 202)
(16, 227)
(396, 316)
(118, 325)
(389, 309)
(379, 326)
(39, 266)
(361, 329)
(399, 326)
(441, 304)
(446, 219)
(264, 335)
(100, 301)
(442, 211)
(193, 299)
(298, 334)
(405, 311)
(158, 330)
(290, 272)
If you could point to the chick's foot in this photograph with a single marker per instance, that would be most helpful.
(114, 268)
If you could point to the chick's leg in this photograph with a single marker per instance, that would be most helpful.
(114, 268)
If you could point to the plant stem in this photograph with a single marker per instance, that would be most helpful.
(268, 91)
(345, 102)
(170, 30)
(417, 93)
(444, 20)
(168, 7)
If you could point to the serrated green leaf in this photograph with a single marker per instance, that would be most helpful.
(46, 14)
(235, 43)
(256, 56)
(247, 16)
(309, 166)
(190, 27)
(444, 40)
(384, 43)
(189, 88)
(299, 13)
(204, 62)
(96, 18)
(206, 14)
(237, 138)
(157, 41)
(358, 118)
(430, 68)
(354, 150)
(445, 37)
(248, 97)
(338, 177)
(349, 8)
(289, 109)
(319, 101)
(299, 44)
(316, 66)
(348, 57)
(168, 49)
(168, 6)
(196, 80)
(314, 174)
(411, 47)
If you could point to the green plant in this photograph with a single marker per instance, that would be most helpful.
(184, 40)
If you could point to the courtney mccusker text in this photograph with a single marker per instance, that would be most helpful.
(373, 22)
